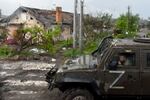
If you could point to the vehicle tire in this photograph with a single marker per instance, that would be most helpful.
(77, 94)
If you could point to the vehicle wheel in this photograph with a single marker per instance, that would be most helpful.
(77, 94)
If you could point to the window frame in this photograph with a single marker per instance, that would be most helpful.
(123, 50)
(144, 58)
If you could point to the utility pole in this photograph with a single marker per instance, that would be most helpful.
(81, 26)
(0, 13)
(128, 18)
(75, 24)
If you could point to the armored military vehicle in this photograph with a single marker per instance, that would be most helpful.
(118, 67)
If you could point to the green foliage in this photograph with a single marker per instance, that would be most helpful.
(89, 47)
(48, 40)
(96, 28)
(67, 43)
(25, 53)
(5, 51)
(56, 32)
(129, 35)
(37, 36)
(127, 23)
(27, 37)
(33, 30)
(72, 53)
(122, 23)
(102, 35)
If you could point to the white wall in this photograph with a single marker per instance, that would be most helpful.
(25, 18)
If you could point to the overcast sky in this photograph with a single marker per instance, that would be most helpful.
(115, 7)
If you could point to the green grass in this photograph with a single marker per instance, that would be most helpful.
(72, 53)
(90, 47)
(5, 51)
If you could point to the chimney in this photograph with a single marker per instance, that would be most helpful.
(58, 15)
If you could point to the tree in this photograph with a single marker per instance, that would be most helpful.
(89, 27)
(94, 26)
(128, 24)
(102, 21)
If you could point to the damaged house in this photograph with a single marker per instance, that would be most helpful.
(47, 19)
(2, 28)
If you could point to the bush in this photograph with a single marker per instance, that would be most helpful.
(72, 53)
(50, 40)
(5, 51)
(67, 43)
(89, 47)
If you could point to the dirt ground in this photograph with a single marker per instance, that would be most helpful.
(25, 80)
